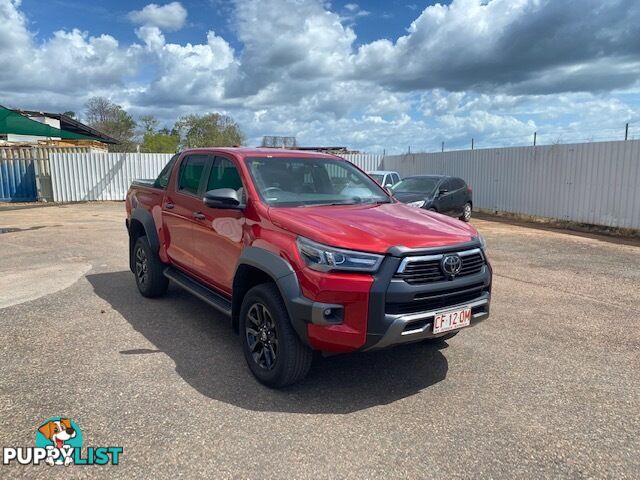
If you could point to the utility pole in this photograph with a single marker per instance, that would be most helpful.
(442, 147)
(535, 135)
(472, 144)
(626, 132)
(409, 149)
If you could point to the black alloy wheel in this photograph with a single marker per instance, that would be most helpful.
(262, 336)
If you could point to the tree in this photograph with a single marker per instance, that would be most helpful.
(149, 124)
(155, 140)
(209, 130)
(111, 119)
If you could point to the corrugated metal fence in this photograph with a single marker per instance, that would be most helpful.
(365, 161)
(25, 174)
(107, 176)
(596, 183)
(101, 176)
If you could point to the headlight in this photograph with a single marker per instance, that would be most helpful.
(483, 243)
(418, 204)
(325, 259)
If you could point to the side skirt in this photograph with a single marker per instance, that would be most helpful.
(194, 287)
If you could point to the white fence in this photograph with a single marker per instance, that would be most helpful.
(596, 183)
(77, 177)
(107, 176)
(365, 161)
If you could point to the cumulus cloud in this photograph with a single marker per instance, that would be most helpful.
(493, 70)
(523, 46)
(169, 17)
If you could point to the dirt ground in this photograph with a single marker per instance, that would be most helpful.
(548, 387)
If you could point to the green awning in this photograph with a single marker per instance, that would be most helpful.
(14, 123)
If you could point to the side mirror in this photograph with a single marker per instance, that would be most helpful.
(221, 198)
(388, 185)
(442, 191)
(389, 190)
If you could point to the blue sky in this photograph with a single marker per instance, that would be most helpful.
(370, 75)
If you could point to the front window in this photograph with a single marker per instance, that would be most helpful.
(416, 185)
(294, 182)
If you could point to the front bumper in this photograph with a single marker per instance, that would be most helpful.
(413, 327)
(383, 310)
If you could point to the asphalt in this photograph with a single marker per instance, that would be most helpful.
(548, 387)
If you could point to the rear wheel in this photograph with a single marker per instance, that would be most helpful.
(274, 353)
(466, 212)
(148, 269)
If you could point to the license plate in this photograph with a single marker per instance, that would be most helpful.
(451, 320)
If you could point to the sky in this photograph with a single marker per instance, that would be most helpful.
(370, 75)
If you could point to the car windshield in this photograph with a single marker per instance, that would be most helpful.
(377, 177)
(294, 182)
(416, 184)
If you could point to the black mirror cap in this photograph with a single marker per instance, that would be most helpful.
(442, 191)
(221, 198)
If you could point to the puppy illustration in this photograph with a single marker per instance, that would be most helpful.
(58, 432)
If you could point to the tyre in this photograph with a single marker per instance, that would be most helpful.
(148, 270)
(438, 340)
(274, 353)
(466, 213)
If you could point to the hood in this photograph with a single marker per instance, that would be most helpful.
(373, 228)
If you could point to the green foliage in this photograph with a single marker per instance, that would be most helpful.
(209, 130)
(160, 142)
(111, 119)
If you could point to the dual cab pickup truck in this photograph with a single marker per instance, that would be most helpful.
(302, 252)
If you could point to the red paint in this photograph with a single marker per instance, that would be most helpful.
(211, 253)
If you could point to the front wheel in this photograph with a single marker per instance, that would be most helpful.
(466, 213)
(274, 353)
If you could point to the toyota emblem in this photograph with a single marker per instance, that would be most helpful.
(451, 265)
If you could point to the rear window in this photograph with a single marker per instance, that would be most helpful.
(191, 172)
(163, 178)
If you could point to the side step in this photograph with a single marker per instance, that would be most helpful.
(194, 287)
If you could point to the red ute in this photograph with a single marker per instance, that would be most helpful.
(303, 251)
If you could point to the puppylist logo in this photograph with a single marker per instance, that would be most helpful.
(59, 442)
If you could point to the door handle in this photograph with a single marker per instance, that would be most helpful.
(199, 215)
(169, 205)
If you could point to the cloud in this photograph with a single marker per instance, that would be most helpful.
(522, 46)
(495, 71)
(169, 17)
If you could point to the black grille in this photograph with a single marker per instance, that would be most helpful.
(427, 271)
(440, 299)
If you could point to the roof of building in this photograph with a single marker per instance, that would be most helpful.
(68, 124)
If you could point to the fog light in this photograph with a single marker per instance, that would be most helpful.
(327, 312)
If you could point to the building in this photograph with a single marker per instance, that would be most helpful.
(31, 128)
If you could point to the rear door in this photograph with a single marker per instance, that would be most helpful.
(445, 200)
(182, 201)
(218, 232)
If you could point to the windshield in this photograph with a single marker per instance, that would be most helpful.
(417, 185)
(293, 182)
(377, 178)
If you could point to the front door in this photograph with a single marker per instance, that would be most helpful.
(445, 200)
(219, 233)
(181, 202)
